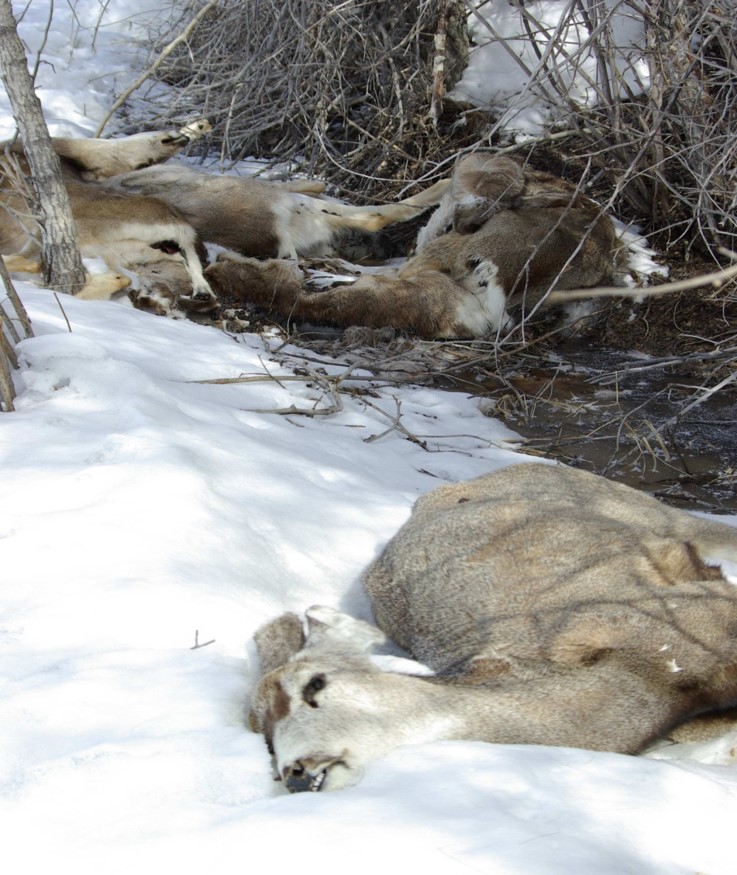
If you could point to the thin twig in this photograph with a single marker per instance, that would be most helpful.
(395, 426)
(63, 312)
(715, 279)
(149, 72)
(15, 302)
(197, 644)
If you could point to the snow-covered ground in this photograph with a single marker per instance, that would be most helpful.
(526, 79)
(143, 511)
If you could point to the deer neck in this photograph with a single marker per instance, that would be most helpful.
(596, 708)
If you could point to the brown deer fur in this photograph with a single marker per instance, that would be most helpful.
(265, 219)
(125, 232)
(501, 238)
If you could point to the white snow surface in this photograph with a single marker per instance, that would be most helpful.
(143, 511)
(509, 74)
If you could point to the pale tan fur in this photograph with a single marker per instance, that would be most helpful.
(99, 286)
(162, 287)
(21, 264)
(265, 219)
(554, 606)
(125, 231)
(103, 286)
(501, 238)
(95, 159)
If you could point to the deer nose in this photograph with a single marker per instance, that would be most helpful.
(299, 780)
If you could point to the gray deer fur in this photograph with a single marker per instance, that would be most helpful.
(152, 220)
(266, 219)
(554, 606)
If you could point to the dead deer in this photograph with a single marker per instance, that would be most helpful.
(429, 305)
(501, 239)
(554, 607)
(126, 232)
(266, 219)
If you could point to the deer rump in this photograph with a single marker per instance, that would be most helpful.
(554, 606)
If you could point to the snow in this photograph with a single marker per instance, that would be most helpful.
(143, 511)
(525, 81)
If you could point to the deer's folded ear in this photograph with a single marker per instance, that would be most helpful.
(327, 627)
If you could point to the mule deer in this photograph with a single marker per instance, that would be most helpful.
(554, 606)
(501, 239)
(126, 232)
(430, 305)
(265, 219)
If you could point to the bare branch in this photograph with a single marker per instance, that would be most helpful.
(149, 72)
(715, 280)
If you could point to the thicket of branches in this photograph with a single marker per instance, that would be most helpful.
(355, 89)
(345, 86)
(664, 153)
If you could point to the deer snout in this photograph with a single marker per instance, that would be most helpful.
(298, 779)
(309, 774)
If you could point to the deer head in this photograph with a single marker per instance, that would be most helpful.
(324, 707)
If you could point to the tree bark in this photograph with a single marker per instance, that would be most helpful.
(60, 258)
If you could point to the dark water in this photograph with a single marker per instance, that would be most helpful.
(613, 413)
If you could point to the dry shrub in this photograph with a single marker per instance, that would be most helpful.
(348, 88)
(660, 148)
(345, 88)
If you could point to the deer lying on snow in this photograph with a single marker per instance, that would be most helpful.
(266, 219)
(502, 237)
(125, 232)
(554, 606)
(170, 209)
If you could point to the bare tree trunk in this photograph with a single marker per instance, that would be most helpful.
(59, 254)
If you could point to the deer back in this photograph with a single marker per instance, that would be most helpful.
(540, 562)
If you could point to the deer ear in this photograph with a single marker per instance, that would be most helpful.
(327, 627)
(495, 179)
(278, 641)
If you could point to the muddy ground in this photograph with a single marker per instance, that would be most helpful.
(646, 394)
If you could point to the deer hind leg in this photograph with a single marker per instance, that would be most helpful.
(201, 290)
(311, 187)
(21, 264)
(374, 218)
(99, 286)
(184, 240)
(103, 286)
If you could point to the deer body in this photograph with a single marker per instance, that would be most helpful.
(126, 232)
(554, 607)
(500, 240)
(265, 219)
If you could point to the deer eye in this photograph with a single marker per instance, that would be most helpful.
(314, 685)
